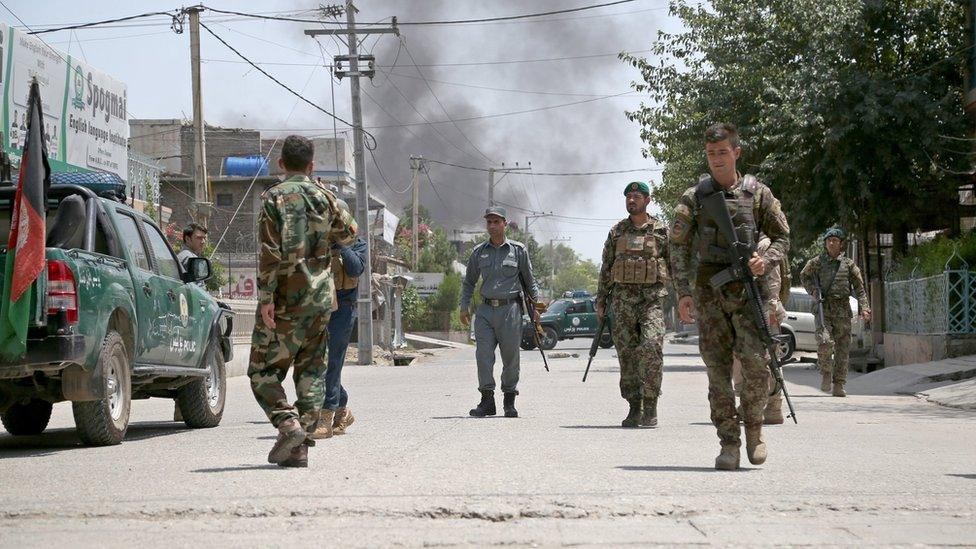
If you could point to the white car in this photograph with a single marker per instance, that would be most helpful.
(800, 325)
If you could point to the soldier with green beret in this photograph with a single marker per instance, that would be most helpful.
(833, 277)
(634, 278)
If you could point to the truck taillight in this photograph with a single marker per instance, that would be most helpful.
(61, 290)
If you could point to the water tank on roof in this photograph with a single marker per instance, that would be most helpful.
(246, 166)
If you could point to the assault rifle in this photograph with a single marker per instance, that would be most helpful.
(596, 342)
(529, 307)
(712, 200)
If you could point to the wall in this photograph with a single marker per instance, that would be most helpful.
(902, 349)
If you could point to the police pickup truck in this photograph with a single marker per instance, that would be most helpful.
(567, 318)
(116, 318)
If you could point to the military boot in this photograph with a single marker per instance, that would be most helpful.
(487, 405)
(825, 382)
(773, 414)
(343, 419)
(290, 435)
(297, 458)
(324, 428)
(728, 459)
(509, 405)
(634, 416)
(649, 415)
(839, 390)
(755, 445)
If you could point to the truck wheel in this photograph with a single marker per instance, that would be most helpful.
(548, 342)
(606, 341)
(28, 418)
(785, 349)
(104, 422)
(201, 401)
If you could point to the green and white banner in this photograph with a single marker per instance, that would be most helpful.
(85, 119)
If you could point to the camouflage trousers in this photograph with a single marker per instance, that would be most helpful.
(727, 330)
(300, 343)
(834, 340)
(638, 335)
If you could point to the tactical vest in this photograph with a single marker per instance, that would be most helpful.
(713, 247)
(639, 256)
(840, 288)
(342, 280)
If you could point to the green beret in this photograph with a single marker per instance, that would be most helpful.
(835, 231)
(637, 186)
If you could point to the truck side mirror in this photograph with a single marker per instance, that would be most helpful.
(197, 269)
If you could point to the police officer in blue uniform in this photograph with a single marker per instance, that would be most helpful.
(500, 263)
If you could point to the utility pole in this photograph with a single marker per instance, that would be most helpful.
(530, 218)
(552, 262)
(364, 298)
(504, 170)
(416, 164)
(200, 208)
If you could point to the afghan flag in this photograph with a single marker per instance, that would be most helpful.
(25, 246)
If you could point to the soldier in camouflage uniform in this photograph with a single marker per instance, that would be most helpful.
(299, 223)
(838, 277)
(725, 323)
(635, 268)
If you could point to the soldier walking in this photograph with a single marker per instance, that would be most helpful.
(833, 277)
(725, 323)
(299, 223)
(635, 273)
(504, 268)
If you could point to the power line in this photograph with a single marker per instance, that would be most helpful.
(275, 80)
(447, 22)
(492, 88)
(176, 24)
(551, 174)
(436, 192)
(383, 177)
(465, 64)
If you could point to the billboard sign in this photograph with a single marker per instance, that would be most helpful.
(86, 125)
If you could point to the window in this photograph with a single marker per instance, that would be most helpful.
(576, 308)
(164, 256)
(225, 200)
(799, 303)
(132, 241)
(557, 307)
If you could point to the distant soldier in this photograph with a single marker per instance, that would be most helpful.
(635, 272)
(837, 277)
(500, 263)
(725, 321)
(299, 223)
(348, 263)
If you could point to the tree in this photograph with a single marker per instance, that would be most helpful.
(845, 106)
(437, 253)
(581, 276)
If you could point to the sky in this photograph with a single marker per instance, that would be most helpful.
(469, 74)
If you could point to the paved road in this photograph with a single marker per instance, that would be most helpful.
(415, 470)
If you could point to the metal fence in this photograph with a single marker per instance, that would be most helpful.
(244, 311)
(940, 304)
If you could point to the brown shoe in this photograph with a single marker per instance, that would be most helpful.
(324, 428)
(343, 419)
(297, 458)
(755, 445)
(839, 390)
(728, 459)
(290, 434)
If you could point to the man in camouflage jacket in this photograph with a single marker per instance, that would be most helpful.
(299, 223)
(635, 268)
(833, 277)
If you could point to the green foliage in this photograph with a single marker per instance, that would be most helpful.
(218, 271)
(581, 276)
(931, 257)
(437, 253)
(843, 105)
